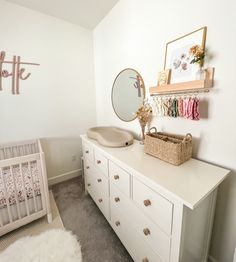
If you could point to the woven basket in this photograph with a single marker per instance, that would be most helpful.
(174, 149)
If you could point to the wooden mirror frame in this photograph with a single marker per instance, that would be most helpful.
(143, 87)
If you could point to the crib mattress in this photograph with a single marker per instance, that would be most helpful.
(20, 182)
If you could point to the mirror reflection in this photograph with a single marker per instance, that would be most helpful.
(128, 93)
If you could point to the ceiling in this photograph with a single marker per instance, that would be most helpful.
(86, 13)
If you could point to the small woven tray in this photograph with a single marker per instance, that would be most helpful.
(174, 149)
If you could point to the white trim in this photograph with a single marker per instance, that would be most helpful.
(64, 177)
(212, 259)
(234, 255)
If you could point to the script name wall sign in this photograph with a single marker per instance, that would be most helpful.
(17, 72)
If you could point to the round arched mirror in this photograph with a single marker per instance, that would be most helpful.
(128, 93)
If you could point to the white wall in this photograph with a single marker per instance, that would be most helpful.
(57, 102)
(134, 34)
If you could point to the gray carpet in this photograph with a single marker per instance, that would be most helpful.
(81, 215)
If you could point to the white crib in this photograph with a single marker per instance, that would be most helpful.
(24, 195)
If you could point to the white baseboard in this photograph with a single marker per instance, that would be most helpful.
(64, 177)
(212, 259)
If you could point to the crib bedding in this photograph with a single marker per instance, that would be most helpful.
(26, 183)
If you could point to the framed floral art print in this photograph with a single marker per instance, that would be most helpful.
(177, 57)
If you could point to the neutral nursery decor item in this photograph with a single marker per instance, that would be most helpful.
(176, 106)
(174, 149)
(144, 115)
(17, 72)
(185, 58)
(197, 54)
(178, 58)
(128, 93)
(54, 245)
(164, 77)
(110, 136)
(35, 228)
(24, 195)
(195, 86)
(160, 212)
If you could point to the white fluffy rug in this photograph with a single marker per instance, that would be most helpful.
(55, 245)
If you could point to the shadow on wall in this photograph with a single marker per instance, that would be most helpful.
(63, 155)
(222, 235)
(225, 215)
(204, 109)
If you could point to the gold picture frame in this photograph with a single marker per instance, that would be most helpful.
(177, 56)
(164, 77)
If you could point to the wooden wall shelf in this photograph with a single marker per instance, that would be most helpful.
(191, 86)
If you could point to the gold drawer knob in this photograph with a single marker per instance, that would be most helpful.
(86, 151)
(116, 177)
(117, 199)
(87, 167)
(100, 200)
(145, 260)
(117, 223)
(99, 180)
(146, 232)
(99, 161)
(88, 184)
(147, 203)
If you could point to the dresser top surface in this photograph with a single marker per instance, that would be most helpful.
(190, 182)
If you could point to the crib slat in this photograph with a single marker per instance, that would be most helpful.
(41, 185)
(32, 186)
(24, 190)
(1, 223)
(1, 220)
(16, 194)
(6, 197)
(4, 153)
(18, 150)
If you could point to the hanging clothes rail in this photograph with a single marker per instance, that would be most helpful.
(181, 92)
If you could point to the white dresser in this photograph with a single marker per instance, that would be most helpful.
(161, 213)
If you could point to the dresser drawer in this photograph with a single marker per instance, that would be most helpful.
(101, 183)
(101, 162)
(146, 228)
(103, 204)
(88, 173)
(88, 166)
(99, 198)
(154, 205)
(96, 177)
(88, 152)
(89, 185)
(139, 249)
(120, 178)
(119, 199)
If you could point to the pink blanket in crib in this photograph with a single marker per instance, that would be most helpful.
(26, 183)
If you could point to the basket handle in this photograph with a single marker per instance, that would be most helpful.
(188, 137)
(153, 128)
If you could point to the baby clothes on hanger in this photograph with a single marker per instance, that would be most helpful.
(174, 112)
(196, 113)
(170, 103)
(165, 106)
(190, 108)
(159, 108)
(187, 107)
(180, 107)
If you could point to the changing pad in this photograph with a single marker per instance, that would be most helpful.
(111, 136)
